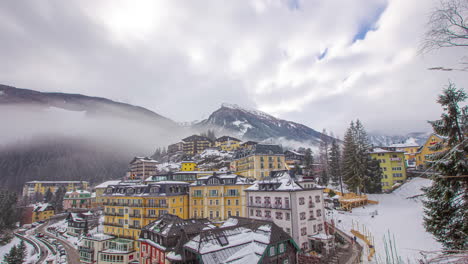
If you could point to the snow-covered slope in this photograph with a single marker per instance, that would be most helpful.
(251, 124)
(396, 215)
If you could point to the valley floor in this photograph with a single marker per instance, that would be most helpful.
(396, 215)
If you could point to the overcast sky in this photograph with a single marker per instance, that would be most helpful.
(320, 63)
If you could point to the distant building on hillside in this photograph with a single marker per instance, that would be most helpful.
(218, 196)
(188, 166)
(393, 166)
(259, 161)
(142, 167)
(293, 157)
(184, 176)
(299, 211)
(248, 144)
(176, 147)
(227, 143)
(196, 144)
(32, 188)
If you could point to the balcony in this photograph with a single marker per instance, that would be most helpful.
(395, 159)
(150, 216)
(113, 214)
(231, 195)
(136, 215)
(134, 227)
(269, 205)
(86, 249)
(197, 195)
(113, 224)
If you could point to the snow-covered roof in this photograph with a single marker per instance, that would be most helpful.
(78, 191)
(41, 207)
(381, 150)
(225, 178)
(281, 181)
(107, 183)
(59, 182)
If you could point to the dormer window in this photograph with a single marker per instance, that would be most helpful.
(109, 190)
(130, 190)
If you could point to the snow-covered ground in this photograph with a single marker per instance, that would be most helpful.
(30, 258)
(397, 215)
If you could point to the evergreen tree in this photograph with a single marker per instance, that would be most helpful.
(48, 195)
(57, 200)
(335, 165)
(15, 256)
(308, 162)
(446, 206)
(323, 158)
(22, 251)
(8, 215)
(373, 181)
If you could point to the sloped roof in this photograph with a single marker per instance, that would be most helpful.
(196, 138)
(243, 240)
(280, 181)
(227, 138)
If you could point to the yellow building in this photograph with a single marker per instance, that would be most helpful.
(196, 144)
(188, 166)
(259, 161)
(425, 151)
(100, 190)
(42, 211)
(227, 143)
(410, 150)
(393, 166)
(129, 207)
(40, 187)
(219, 196)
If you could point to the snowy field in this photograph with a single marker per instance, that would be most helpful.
(30, 258)
(397, 215)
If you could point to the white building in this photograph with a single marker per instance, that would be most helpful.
(299, 211)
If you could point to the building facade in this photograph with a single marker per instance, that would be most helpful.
(142, 168)
(105, 249)
(176, 147)
(422, 156)
(227, 143)
(78, 199)
(127, 208)
(40, 187)
(218, 196)
(259, 161)
(42, 211)
(188, 166)
(393, 165)
(81, 223)
(297, 210)
(196, 144)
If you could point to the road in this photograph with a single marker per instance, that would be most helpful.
(43, 251)
(73, 256)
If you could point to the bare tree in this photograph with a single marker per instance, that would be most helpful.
(448, 26)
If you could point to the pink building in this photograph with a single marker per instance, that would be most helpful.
(77, 200)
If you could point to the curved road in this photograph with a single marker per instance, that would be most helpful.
(43, 251)
(73, 256)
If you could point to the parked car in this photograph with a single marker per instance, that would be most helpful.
(39, 235)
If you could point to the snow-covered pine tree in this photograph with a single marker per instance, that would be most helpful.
(350, 171)
(308, 161)
(446, 206)
(324, 159)
(335, 165)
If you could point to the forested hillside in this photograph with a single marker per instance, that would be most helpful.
(60, 159)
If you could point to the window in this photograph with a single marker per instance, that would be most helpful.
(211, 202)
(315, 228)
(279, 215)
(303, 231)
(301, 201)
(213, 193)
(320, 227)
(237, 202)
(198, 193)
(317, 198)
(258, 213)
(288, 216)
(270, 165)
(311, 215)
(232, 192)
(281, 248)
(194, 202)
(251, 212)
(272, 251)
(305, 245)
(319, 213)
(258, 200)
(217, 202)
(268, 214)
(228, 202)
(286, 202)
(288, 230)
(211, 214)
(229, 213)
(152, 212)
(237, 213)
(217, 214)
(303, 216)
